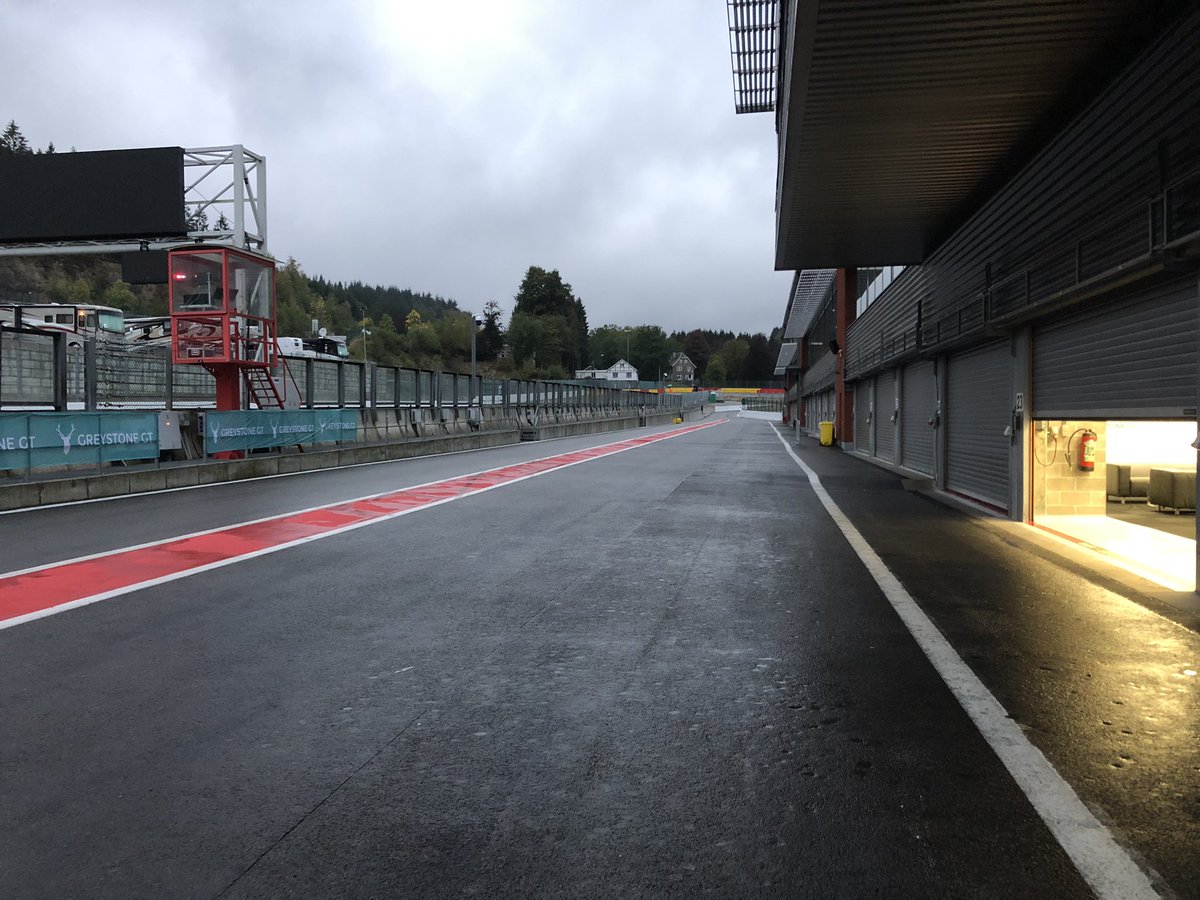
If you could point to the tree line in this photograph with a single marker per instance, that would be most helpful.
(546, 336)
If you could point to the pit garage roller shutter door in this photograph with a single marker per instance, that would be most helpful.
(885, 405)
(918, 402)
(862, 416)
(1130, 359)
(978, 409)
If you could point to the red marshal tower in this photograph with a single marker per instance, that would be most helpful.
(223, 318)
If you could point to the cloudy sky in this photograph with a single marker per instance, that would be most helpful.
(444, 147)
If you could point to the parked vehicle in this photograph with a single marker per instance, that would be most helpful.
(148, 329)
(84, 320)
(312, 348)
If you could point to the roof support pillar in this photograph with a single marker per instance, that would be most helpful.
(846, 284)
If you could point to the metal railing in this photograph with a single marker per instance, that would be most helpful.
(37, 371)
(764, 403)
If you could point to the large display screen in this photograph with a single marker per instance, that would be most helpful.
(98, 195)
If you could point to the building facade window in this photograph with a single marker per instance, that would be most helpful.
(873, 282)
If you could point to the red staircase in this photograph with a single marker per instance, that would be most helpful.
(261, 388)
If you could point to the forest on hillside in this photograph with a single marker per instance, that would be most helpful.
(545, 336)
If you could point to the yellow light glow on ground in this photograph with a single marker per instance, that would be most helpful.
(1165, 559)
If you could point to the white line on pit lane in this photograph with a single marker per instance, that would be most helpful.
(1102, 862)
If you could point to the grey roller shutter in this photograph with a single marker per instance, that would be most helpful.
(862, 416)
(978, 409)
(917, 405)
(1133, 358)
(885, 406)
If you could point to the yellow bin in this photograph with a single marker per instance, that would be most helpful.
(826, 433)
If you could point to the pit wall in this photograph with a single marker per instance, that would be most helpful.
(397, 437)
(1059, 488)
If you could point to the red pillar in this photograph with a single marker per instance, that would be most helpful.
(229, 398)
(229, 387)
(802, 362)
(847, 298)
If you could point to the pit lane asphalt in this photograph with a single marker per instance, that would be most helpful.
(1094, 675)
(658, 673)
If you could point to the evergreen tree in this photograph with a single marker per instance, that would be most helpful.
(12, 142)
(544, 295)
(759, 364)
(196, 221)
(696, 346)
(490, 340)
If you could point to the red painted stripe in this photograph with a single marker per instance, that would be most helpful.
(121, 571)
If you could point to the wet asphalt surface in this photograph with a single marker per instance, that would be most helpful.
(661, 673)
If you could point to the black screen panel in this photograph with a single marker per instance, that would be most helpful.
(144, 267)
(99, 195)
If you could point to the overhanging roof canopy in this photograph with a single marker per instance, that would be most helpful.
(898, 119)
(787, 358)
(809, 288)
(753, 27)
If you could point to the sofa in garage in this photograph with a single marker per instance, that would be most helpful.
(1128, 482)
(1172, 489)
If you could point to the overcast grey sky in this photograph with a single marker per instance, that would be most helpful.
(444, 147)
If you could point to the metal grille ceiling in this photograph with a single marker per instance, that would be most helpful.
(809, 288)
(787, 357)
(753, 27)
(903, 117)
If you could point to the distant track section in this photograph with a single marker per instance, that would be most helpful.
(31, 594)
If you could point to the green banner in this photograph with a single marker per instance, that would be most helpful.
(259, 429)
(38, 440)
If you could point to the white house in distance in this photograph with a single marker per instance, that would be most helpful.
(618, 371)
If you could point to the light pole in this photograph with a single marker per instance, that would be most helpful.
(366, 333)
(476, 322)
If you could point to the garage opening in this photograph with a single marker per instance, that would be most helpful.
(1124, 487)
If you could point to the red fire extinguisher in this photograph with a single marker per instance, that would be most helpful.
(1087, 452)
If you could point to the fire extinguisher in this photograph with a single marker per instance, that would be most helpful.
(1086, 460)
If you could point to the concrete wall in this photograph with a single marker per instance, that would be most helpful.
(1059, 488)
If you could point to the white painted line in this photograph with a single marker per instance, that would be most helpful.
(332, 503)
(1103, 863)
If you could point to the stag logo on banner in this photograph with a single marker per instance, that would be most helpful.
(66, 438)
(216, 432)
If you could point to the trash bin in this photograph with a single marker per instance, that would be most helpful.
(826, 433)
